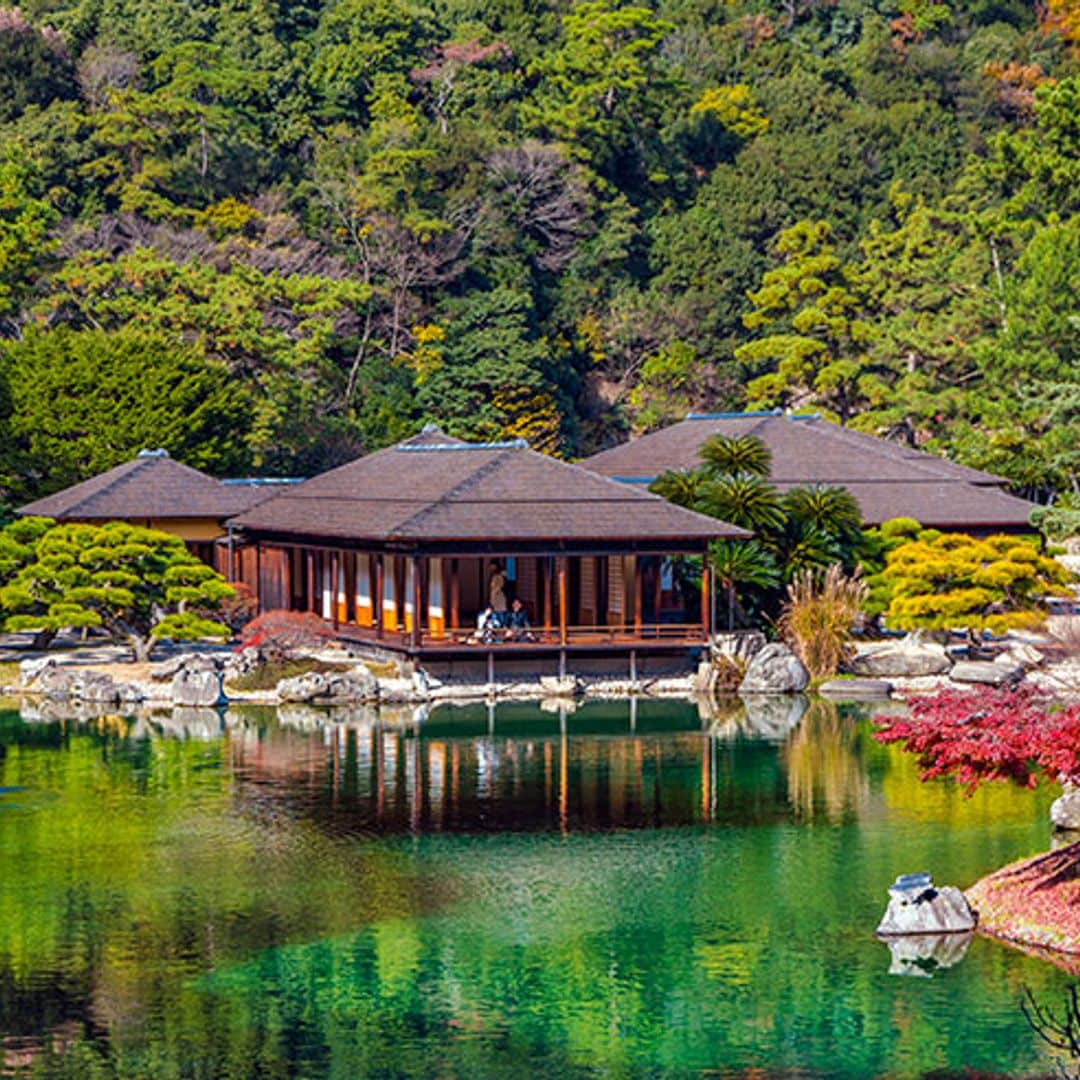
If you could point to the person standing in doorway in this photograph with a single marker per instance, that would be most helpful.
(497, 593)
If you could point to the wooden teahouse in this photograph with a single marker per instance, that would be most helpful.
(404, 548)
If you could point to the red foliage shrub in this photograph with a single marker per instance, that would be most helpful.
(281, 633)
(989, 734)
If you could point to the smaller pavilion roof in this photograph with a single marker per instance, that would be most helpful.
(151, 485)
(433, 488)
(887, 479)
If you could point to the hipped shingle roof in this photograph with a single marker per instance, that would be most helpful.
(887, 479)
(152, 485)
(433, 488)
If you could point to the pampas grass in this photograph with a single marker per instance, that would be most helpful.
(819, 615)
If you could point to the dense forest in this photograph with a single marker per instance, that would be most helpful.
(271, 235)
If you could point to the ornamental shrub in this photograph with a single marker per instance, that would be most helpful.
(989, 734)
(818, 618)
(282, 634)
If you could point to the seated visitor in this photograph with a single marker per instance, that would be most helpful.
(487, 623)
(517, 623)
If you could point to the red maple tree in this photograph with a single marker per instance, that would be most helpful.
(989, 734)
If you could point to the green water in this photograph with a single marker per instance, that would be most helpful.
(474, 893)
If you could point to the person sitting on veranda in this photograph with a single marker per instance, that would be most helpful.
(487, 623)
(517, 623)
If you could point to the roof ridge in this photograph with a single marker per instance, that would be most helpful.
(482, 470)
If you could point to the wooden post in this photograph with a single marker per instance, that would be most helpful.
(455, 595)
(657, 591)
(286, 573)
(414, 563)
(633, 669)
(399, 594)
(562, 599)
(335, 587)
(706, 628)
(309, 558)
(377, 594)
(638, 595)
(259, 596)
(548, 602)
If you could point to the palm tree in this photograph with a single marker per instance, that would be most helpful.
(830, 511)
(745, 500)
(737, 455)
(679, 487)
(740, 564)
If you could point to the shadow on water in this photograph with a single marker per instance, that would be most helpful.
(616, 889)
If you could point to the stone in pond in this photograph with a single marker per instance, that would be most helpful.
(849, 689)
(775, 670)
(917, 906)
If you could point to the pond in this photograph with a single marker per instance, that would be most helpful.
(619, 890)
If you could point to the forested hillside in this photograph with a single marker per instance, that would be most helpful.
(271, 235)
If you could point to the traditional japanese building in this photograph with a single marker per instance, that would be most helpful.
(403, 548)
(888, 479)
(158, 492)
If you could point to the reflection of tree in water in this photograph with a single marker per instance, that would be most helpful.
(1062, 1032)
(825, 773)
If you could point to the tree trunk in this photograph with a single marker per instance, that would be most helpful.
(43, 639)
(142, 647)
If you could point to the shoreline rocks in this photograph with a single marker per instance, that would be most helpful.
(775, 669)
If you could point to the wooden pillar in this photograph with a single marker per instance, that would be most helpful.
(657, 590)
(638, 594)
(309, 558)
(455, 595)
(562, 599)
(399, 593)
(377, 594)
(335, 586)
(705, 575)
(548, 566)
(414, 639)
(286, 573)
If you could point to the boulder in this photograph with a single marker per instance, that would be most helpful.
(242, 663)
(856, 689)
(916, 906)
(197, 688)
(560, 686)
(353, 686)
(30, 670)
(900, 659)
(775, 670)
(95, 686)
(57, 682)
(302, 687)
(741, 645)
(985, 672)
(1020, 655)
(1065, 811)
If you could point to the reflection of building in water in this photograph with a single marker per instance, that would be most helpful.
(607, 766)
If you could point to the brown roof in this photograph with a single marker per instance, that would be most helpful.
(888, 479)
(152, 485)
(432, 488)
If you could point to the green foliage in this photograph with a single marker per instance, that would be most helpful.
(139, 584)
(739, 566)
(615, 213)
(82, 401)
(956, 581)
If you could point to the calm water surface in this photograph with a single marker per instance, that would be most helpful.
(618, 891)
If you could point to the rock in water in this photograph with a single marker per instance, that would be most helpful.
(916, 906)
(302, 687)
(1065, 811)
(775, 670)
(197, 688)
